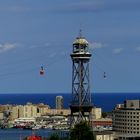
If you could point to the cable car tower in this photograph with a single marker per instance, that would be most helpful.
(81, 105)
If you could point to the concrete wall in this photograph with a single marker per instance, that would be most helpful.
(96, 113)
(1, 115)
(104, 137)
(132, 103)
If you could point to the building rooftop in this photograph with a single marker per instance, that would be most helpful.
(129, 105)
(80, 41)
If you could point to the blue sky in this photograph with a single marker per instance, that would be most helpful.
(35, 33)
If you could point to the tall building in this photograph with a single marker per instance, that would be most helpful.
(126, 120)
(27, 111)
(59, 102)
(81, 98)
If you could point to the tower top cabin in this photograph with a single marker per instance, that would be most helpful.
(80, 45)
(80, 49)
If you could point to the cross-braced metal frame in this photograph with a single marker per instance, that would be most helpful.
(81, 98)
(80, 84)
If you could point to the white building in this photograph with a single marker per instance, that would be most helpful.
(1, 115)
(96, 113)
(28, 111)
(14, 112)
(24, 111)
(59, 102)
(126, 119)
(104, 135)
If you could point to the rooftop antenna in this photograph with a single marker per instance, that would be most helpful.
(80, 32)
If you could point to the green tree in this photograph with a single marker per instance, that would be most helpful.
(54, 137)
(81, 131)
(104, 114)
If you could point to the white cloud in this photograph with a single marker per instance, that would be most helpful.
(7, 46)
(14, 8)
(138, 49)
(46, 45)
(96, 45)
(99, 6)
(117, 50)
(52, 54)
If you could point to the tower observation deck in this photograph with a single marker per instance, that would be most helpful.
(81, 105)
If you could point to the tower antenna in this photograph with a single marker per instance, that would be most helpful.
(80, 33)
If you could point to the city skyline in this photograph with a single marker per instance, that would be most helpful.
(35, 34)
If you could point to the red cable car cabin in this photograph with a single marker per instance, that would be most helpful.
(42, 71)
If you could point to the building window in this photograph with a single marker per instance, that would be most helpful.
(26, 109)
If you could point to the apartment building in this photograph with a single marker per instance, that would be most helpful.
(126, 119)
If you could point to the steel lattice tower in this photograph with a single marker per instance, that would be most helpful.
(81, 105)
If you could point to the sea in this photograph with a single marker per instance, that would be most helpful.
(106, 101)
(20, 134)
